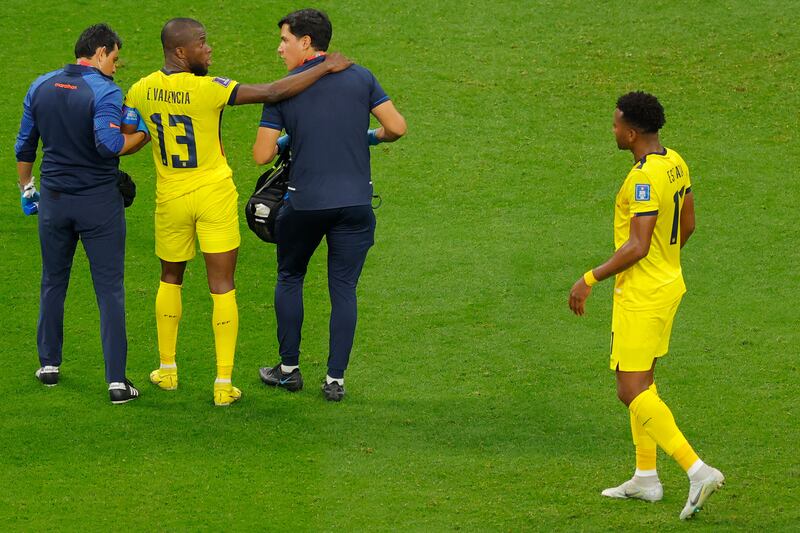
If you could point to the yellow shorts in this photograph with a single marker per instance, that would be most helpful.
(210, 213)
(638, 337)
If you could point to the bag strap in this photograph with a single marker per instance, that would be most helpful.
(269, 176)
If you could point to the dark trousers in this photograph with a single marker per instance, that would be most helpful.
(350, 232)
(98, 220)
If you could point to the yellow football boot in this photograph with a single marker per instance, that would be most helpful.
(165, 378)
(225, 394)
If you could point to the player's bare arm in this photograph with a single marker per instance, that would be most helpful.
(270, 93)
(265, 148)
(133, 141)
(393, 125)
(635, 248)
(24, 172)
(687, 218)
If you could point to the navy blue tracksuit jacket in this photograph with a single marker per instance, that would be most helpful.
(75, 112)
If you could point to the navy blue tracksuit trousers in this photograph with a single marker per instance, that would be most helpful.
(97, 218)
(350, 232)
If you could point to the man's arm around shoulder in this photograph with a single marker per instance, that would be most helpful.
(270, 93)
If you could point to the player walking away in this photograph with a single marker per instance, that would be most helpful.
(653, 219)
(330, 191)
(76, 112)
(195, 193)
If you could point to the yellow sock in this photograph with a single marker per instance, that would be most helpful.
(645, 446)
(656, 418)
(225, 321)
(645, 458)
(685, 456)
(168, 316)
(644, 443)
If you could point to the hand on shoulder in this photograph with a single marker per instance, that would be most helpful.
(337, 62)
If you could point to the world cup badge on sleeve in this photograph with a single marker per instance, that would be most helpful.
(642, 192)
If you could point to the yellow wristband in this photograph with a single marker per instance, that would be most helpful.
(589, 278)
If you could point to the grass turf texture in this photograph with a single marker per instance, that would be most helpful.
(476, 401)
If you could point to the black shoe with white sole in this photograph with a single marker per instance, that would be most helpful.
(48, 375)
(122, 392)
(275, 377)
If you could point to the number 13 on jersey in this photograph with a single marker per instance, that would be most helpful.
(177, 123)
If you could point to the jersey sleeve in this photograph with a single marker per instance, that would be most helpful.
(271, 117)
(107, 117)
(132, 97)
(377, 95)
(221, 91)
(643, 194)
(28, 136)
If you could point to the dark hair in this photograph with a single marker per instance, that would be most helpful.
(311, 22)
(642, 110)
(95, 37)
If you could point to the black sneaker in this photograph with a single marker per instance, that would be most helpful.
(122, 392)
(48, 375)
(333, 392)
(274, 377)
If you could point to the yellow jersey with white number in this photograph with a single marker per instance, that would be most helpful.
(184, 115)
(656, 186)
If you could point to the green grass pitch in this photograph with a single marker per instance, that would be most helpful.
(476, 401)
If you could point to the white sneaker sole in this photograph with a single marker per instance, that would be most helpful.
(630, 490)
(709, 488)
(638, 496)
(120, 402)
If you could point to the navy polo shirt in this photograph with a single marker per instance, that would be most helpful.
(76, 111)
(328, 123)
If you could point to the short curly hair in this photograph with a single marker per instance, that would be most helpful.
(642, 110)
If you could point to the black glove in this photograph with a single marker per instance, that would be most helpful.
(126, 187)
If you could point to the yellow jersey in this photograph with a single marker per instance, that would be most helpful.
(184, 115)
(655, 186)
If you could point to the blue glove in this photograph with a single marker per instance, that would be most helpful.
(29, 199)
(372, 137)
(283, 143)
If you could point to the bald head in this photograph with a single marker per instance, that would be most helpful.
(180, 32)
(185, 47)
